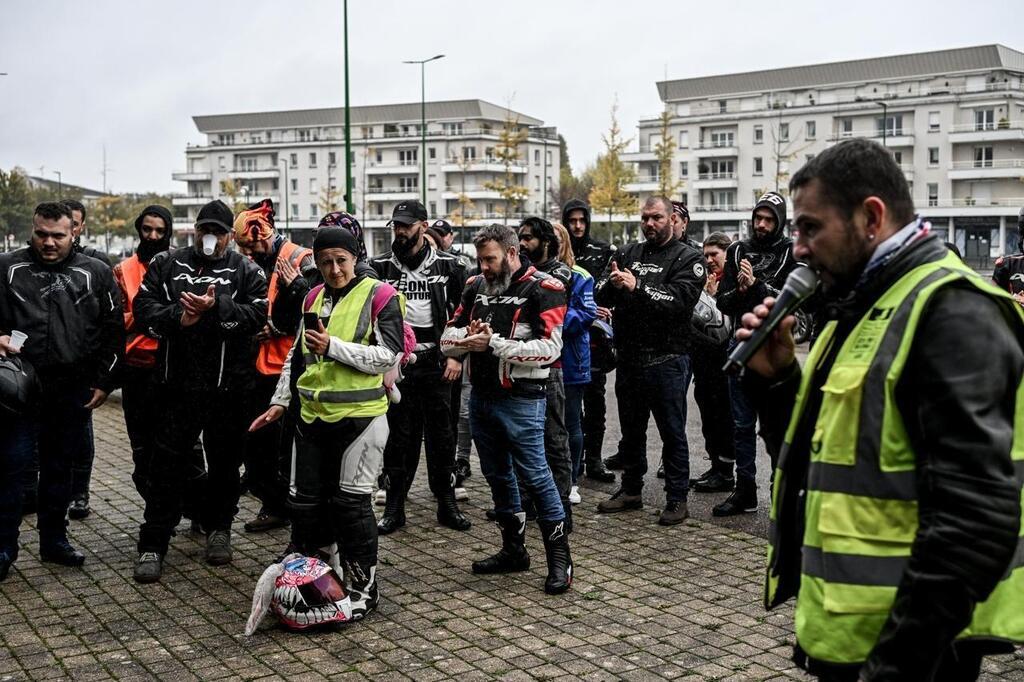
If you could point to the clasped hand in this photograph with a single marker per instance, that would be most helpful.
(193, 305)
(478, 336)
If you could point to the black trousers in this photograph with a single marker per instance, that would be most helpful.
(222, 417)
(424, 413)
(268, 452)
(82, 461)
(594, 412)
(711, 391)
(143, 414)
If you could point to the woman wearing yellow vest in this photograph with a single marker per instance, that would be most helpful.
(333, 383)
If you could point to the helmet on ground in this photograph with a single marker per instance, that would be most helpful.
(303, 592)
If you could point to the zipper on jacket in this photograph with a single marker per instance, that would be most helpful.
(220, 374)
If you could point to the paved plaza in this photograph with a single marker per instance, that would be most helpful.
(648, 602)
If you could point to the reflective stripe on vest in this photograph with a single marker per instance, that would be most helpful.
(273, 351)
(330, 390)
(133, 271)
(861, 499)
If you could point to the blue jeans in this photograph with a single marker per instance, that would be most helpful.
(509, 437)
(744, 419)
(55, 431)
(659, 390)
(574, 424)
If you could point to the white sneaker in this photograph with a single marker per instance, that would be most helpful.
(461, 495)
(574, 495)
(381, 498)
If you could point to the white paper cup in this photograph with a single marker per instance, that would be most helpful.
(17, 339)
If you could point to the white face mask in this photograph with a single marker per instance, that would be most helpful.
(209, 244)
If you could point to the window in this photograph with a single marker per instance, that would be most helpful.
(684, 169)
(407, 157)
(312, 159)
(758, 134)
(846, 127)
(723, 199)
(332, 159)
(758, 165)
(432, 153)
(367, 132)
(295, 184)
(295, 210)
(469, 153)
(889, 125)
(548, 162)
(898, 157)
(783, 132)
(312, 211)
(812, 130)
(722, 139)
(222, 163)
(380, 156)
(409, 183)
(683, 199)
(273, 184)
(983, 157)
(245, 163)
(536, 157)
(933, 156)
(452, 128)
(684, 139)
(305, 136)
(722, 106)
(352, 158)
(985, 119)
(433, 208)
(536, 183)
(312, 185)
(431, 182)
(723, 168)
(380, 208)
(933, 121)
(293, 160)
(933, 194)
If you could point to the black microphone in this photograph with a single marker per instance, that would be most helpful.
(800, 284)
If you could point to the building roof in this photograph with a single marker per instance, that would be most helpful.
(85, 192)
(381, 113)
(941, 62)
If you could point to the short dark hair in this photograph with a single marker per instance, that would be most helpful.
(75, 205)
(544, 231)
(719, 239)
(53, 210)
(436, 235)
(496, 232)
(666, 203)
(854, 170)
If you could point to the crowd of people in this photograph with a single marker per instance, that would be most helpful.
(324, 373)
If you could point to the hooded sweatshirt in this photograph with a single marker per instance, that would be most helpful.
(770, 257)
(591, 254)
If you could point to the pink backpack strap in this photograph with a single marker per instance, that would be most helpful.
(382, 293)
(307, 304)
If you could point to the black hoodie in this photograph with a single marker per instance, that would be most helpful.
(771, 259)
(591, 254)
(147, 248)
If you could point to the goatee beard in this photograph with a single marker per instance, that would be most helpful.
(496, 286)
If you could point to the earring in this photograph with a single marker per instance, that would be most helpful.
(871, 237)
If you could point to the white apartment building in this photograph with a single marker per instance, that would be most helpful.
(954, 120)
(294, 158)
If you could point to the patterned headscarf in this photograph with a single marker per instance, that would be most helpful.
(255, 224)
(348, 222)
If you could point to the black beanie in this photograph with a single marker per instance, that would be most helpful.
(335, 238)
(775, 203)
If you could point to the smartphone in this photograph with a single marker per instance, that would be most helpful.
(310, 320)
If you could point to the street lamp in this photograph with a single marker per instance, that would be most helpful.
(287, 206)
(423, 118)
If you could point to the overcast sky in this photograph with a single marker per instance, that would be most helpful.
(130, 75)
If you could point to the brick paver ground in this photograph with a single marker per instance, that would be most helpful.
(648, 602)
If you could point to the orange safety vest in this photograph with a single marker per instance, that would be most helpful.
(132, 272)
(273, 352)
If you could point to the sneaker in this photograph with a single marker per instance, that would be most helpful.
(614, 462)
(703, 477)
(148, 567)
(265, 521)
(713, 483)
(742, 501)
(462, 472)
(675, 513)
(574, 495)
(218, 547)
(620, 501)
(381, 498)
(79, 508)
(460, 494)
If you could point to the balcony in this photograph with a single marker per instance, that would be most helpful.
(196, 200)
(643, 183)
(475, 192)
(712, 150)
(894, 137)
(406, 167)
(488, 165)
(196, 176)
(644, 153)
(391, 193)
(716, 181)
(253, 173)
(987, 132)
(980, 170)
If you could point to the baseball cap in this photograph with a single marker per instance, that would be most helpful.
(216, 213)
(443, 226)
(409, 212)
